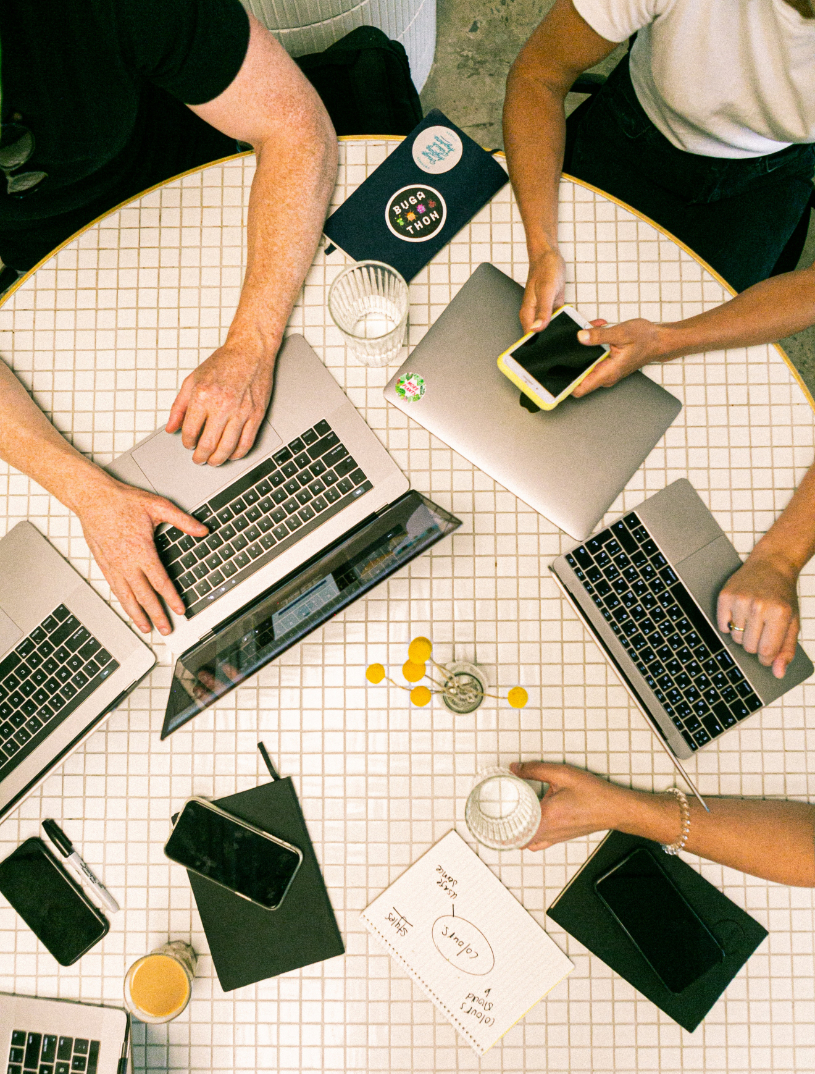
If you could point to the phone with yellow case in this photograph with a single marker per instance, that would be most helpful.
(547, 366)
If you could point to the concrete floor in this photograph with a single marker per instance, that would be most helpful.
(477, 40)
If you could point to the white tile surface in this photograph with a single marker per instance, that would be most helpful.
(104, 333)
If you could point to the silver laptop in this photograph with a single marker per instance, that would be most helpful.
(312, 518)
(66, 661)
(62, 1037)
(646, 587)
(316, 471)
(569, 463)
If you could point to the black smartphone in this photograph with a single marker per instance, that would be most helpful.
(659, 920)
(240, 857)
(51, 903)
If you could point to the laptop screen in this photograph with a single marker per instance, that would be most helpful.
(300, 603)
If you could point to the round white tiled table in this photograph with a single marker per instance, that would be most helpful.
(103, 333)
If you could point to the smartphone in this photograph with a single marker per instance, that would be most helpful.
(547, 366)
(51, 903)
(658, 919)
(240, 857)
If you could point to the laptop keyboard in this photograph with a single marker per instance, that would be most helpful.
(48, 1053)
(664, 631)
(48, 675)
(262, 514)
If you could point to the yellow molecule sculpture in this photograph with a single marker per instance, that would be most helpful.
(461, 688)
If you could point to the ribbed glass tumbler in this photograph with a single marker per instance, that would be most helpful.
(368, 302)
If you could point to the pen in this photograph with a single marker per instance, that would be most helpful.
(66, 849)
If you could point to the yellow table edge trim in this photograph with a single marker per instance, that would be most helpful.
(399, 138)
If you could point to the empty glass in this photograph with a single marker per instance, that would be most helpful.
(502, 811)
(368, 302)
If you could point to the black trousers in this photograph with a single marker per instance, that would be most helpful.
(736, 214)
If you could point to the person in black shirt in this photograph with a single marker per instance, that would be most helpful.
(120, 95)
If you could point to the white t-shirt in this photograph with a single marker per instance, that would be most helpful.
(722, 78)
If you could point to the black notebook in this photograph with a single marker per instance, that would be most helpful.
(418, 198)
(248, 943)
(580, 912)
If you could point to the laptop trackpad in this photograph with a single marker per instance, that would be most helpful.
(169, 468)
(10, 633)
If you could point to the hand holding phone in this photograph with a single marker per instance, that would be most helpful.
(547, 366)
(238, 856)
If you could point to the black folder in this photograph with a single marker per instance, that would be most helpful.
(449, 200)
(580, 912)
(248, 943)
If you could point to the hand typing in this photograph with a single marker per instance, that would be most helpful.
(221, 403)
(761, 598)
(118, 522)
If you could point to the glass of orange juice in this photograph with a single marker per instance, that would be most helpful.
(158, 986)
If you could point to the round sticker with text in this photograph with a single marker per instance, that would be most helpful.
(410, 387)
(437, 150)
(416, 213)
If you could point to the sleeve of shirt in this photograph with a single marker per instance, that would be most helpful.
(617, 20)
(191, 48)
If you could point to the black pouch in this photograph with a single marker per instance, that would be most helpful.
(364, 82)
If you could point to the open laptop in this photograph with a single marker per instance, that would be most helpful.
(569, 463)
(66, 661)
(315, 514)
(53, 1036)
(646, 587)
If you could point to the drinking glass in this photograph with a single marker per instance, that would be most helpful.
(368, 302)
(502, 811)
(158, 986)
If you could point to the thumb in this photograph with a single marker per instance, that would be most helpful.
(539, 770)
(595, 336)
(163, 511)
(787, 650)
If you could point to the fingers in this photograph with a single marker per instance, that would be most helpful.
(787, 651)
(247, 438)
(162, 510)
(179, 407)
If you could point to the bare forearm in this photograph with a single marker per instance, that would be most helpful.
(31, 444)
(287, 207)
(534, 137)
(773, 840)
(764, 313)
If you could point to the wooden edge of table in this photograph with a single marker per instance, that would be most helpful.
(398, 138)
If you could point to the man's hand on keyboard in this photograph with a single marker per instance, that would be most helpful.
(118, 521)
(761, 599)
(222, 403)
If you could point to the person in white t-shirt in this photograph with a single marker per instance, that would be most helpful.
(716, 107)
(706, 129)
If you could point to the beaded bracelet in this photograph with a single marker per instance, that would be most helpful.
(684, 810)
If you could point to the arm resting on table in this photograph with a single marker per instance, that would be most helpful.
(770, 839)
(271, 105)
(118, 521)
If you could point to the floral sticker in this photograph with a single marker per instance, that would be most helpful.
(416, 213)
(410, 387)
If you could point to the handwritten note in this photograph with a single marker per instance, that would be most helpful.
(479, 956)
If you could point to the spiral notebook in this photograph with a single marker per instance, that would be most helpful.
(466, 941)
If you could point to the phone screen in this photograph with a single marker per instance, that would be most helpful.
(554, 357)
(222, 849)
(53, 907)
(657, 917)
